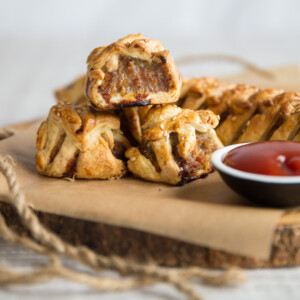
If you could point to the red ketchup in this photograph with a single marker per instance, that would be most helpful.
(277, 158)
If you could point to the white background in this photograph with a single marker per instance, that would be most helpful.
(44, 45)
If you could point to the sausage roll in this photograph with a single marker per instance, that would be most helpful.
(176, 145)
(268, 117)
(78, 142)
(288, 123)
(132, 119)
(72, 93)
(198, 93)
(233, 108)
(247, 113)
(133, 71)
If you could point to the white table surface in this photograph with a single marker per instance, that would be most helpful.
(275, 284)
(32, 67)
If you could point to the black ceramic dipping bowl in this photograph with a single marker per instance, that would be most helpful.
(276, 191)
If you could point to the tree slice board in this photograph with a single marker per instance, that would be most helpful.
(147, 247)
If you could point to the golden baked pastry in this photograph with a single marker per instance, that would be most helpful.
(297, 137)
(194, 94)
(288, 121)
(133, 71)
(72, 93)
(176, 145)
(247, 114)
(198, 93)
(233, 108)
(268, 117)
(132, 119)
(76, 141)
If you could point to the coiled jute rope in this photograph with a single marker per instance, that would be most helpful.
(132, 274)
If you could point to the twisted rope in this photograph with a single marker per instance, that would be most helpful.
(226, 58)
(47, 243)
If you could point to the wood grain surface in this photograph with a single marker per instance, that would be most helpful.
(142, 246)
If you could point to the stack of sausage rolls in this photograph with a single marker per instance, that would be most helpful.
(132, 113)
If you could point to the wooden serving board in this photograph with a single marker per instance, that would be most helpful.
(144, 246)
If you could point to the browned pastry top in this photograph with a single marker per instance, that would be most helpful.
(176, 145)
(78, 141)
(247, 114)
(133, 71)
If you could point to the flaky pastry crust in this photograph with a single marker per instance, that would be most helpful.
(176, 145)
(247, 113)
(78, 142)
(133, 71)
(72, 93)
(132, 119)
(289, 118)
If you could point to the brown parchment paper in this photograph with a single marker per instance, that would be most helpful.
(205, 212)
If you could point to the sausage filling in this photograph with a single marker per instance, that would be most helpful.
(134, 76)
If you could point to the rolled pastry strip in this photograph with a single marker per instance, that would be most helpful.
(199, 93)
(233, 110)
(254, 116)
(133, 71)
(288, 123)
(132, 119)
(72, 93)
(247, 114)
(78, 142)
(268, 117)
(176, 145)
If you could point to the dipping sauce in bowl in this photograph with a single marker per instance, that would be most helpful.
(276, 158)
(266, 173)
